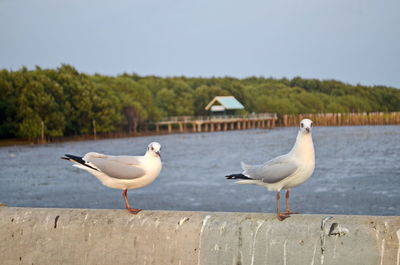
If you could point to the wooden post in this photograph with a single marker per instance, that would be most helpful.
(94, 129)
(157, 128)
(211, 127)
(42, 134)
(181, 127)
(169, 128)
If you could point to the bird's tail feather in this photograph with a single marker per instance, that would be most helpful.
(237, 176)
(77, 159)
(73, 158)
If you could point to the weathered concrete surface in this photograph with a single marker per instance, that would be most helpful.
(79, 236)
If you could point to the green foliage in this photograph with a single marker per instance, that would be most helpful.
(67, 101)
(30, 127)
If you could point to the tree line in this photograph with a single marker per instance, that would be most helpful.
(65, 102)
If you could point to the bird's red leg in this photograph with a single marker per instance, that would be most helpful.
(281, 216)
(287, 210)
(128, 207)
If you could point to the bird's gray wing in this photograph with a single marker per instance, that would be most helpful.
(278, 159)
(272, 171)
(128, 160)
(116, 169)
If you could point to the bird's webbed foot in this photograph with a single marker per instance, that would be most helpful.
(133, 210)
(282, 216)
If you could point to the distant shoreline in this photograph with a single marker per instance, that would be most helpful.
(17, 142)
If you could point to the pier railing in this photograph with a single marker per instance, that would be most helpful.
(188, 119)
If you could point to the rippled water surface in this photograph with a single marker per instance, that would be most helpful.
(357, 172)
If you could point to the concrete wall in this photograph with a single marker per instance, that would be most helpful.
(80, 236)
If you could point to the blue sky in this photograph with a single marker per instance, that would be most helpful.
(355, 41)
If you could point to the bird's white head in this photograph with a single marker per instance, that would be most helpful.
(154, 148)
(306, 126)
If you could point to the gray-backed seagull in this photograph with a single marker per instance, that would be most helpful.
(283, 172)
(122, 172)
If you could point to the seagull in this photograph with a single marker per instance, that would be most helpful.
(283, 172)
(122, 172)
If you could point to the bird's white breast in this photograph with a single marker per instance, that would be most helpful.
(301, 176)
(303, 152)
(153, 168)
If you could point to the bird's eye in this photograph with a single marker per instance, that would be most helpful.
(152, 148)
(302, 125)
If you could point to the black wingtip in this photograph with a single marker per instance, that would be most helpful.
(77, 159)
(74, 158)
(237, 176)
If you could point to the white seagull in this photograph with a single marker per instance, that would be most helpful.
(122, 172)
(283, 172)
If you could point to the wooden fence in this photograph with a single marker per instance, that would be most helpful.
(343, 119)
